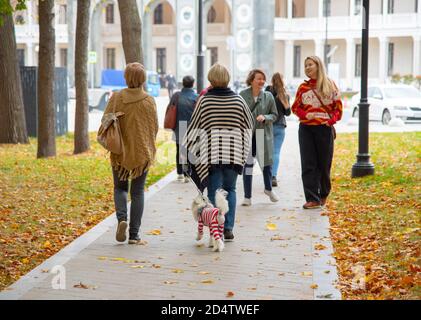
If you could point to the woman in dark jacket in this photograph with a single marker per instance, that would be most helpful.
(185, 102)
(282, 106)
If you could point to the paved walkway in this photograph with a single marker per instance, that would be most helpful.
(259, 264)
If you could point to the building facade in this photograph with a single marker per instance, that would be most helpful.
(275, 35)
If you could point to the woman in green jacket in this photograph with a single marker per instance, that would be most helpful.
(263, 107)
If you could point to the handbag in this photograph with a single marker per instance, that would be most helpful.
(170, 120)
(324, 107)
(109, 133)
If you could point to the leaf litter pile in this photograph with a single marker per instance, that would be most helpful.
(46, 204)
(376, 220)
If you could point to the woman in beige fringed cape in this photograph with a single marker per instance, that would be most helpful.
(139, 127)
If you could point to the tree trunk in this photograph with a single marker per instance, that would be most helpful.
(12, 112)
(46, 104)
(71, 43)
(131, 30)
(81, 77)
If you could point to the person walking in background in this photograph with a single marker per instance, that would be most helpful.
(223, 123)
(263, 107)
(318, 105)
(171, 84)
(139, 128)
(184, 101)
(277, 88)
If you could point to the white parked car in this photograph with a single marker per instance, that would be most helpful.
(391, 101)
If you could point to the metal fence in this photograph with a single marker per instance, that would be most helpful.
(29, 76)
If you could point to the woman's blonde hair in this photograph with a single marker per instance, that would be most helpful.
(218, 76)
(324, 85)
(252, 74)
(135, 75)
(279, 87)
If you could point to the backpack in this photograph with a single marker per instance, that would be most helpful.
(109, 132)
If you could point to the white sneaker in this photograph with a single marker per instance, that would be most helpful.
(272, 195)
(180, 178)
(246, 202)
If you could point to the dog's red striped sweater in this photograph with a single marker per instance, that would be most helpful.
(209, 218)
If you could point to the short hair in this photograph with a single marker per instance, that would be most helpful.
(188, 82)
(218, 76)
(252, 74)
(135, 75)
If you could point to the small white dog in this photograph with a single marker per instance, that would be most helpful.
(207, 215)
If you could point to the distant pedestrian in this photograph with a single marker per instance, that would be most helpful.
(277, 88)
(318, 105)
(171, 84)
(219, 136)
(139, 127)
(263, 107)
(184, 101)
(237, 86)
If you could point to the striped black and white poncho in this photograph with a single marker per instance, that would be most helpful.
(219, 133)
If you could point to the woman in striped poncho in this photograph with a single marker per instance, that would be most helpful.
(218, 140)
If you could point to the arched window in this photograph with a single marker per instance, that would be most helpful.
(158, 15)
(212, 15)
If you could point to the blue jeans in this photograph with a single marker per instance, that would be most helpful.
(278, 139)
(226, 179)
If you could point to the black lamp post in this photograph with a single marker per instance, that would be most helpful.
(200, 54)
(363, 166)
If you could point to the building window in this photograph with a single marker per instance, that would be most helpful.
(161, 60)
(62, 14)
(357, 7)
(212, 15)
(213, 55)
(63, 57)
(390, 59)
(109, 14)
(358, 56)
(110, 58)
(390, 6)
(416, 5)
(326, 8)
(19, 20)
(297, 61)
(21, 56)
(158, 15)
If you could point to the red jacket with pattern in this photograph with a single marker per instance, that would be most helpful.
(306, 101)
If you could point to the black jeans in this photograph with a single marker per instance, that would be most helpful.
(316, 149)
(177, 160)
(248, 178)
(137, 195)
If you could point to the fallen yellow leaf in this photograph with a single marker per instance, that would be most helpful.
(307, 273)
(314, 286)
(271, 226)
(230, 294)
(25, 260)
(178, 271)
(155, 232)
(319, 246)
(207, 281)
(46, 245)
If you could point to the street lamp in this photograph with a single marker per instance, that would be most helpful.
(200, 54)
(363, 166)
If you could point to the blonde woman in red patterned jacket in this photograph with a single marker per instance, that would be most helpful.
(318, 105)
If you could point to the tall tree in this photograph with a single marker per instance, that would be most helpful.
(46, 104)
(12, 119)
(131, 30)
(81, 77)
